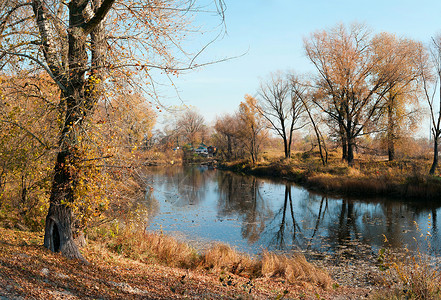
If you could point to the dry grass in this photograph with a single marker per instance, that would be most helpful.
(413, 275)
(293, 269)
(407, 178)
(414, 278)
(29, 271)
(133, 242)
(221, 257)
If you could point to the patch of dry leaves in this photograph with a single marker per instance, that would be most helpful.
(29, 271)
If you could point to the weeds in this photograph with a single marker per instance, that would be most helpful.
(417, 278)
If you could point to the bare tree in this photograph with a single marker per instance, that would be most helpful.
(303, 93)
(191, 125)
(430, 68)
(280, 106)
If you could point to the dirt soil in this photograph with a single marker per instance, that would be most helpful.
(29, 271)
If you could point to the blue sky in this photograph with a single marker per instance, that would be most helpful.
(269, 34)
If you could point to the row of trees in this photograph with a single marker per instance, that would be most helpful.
(364, 85)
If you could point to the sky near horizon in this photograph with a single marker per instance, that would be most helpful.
(267, 35)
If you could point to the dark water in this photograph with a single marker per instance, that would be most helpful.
(251, 214)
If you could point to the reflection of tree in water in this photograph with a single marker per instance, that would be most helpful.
(394, 217)
(273, 218)
(422, 219)
(191, 185)
(284, 231)
(182, 186)
(396, 221)
(288, 224)
(240, 195)
(151, 205)
(321, 214)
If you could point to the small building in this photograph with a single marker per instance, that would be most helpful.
(202, 149)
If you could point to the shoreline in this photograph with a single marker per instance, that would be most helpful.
(420, 188)
(29, 270)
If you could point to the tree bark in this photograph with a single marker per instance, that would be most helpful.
(58, 235)
(344, 143)
(435, 156)
(390, 130)
(285, 147)
(59, 224)
(350, 153)
(289, 145)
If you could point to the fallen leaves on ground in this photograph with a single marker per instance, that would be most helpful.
(29, 270)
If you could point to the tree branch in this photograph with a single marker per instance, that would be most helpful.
(98, 17)
(51, 74)
(30, 133)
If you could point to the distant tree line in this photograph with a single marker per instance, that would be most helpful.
(365, 85)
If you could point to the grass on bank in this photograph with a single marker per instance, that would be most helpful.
(135, 243)
(133, 263)
(406, 178)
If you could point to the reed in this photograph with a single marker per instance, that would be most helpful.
(293, 269)
(135, 243)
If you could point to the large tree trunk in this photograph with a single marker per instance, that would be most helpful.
(344, 144)
(435, 156)
(75, 105)
(58, 235)
(391, 150)
(289, 145)
(59, 225)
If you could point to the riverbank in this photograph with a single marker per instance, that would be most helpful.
(119, 268)
(28, 270)
(405, 179)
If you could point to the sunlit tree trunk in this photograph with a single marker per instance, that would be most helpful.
(58, 232)
(76, 104)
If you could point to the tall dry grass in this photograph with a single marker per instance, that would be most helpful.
(413, 278)
(221, 257)
(135, 243)
(294, 269)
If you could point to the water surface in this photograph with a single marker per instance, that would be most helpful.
(204, 205)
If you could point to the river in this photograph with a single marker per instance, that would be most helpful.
(203, 205)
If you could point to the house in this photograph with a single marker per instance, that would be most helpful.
(202, 149)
